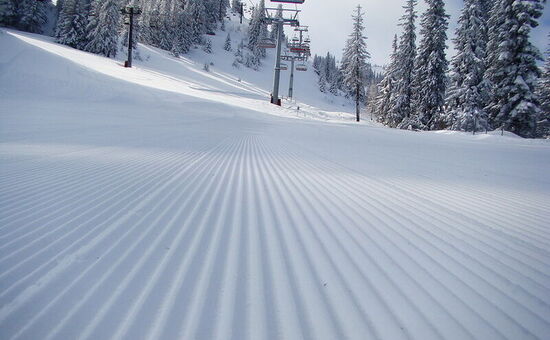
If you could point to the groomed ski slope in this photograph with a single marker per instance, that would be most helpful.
(165, 202)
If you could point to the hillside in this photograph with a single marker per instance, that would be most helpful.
(167, 202)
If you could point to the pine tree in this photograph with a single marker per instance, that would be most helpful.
(322, 81)
(197, 14)
(317, 64)
(354, 61)
(386, 91)
(103, 28)
(32, 15)
(513, 72)
(430, 68)
(211, 14)
(257, 28)
(543, 91)
(182, 34)
(8, 12)
(401, 105)
(207, 47)
(71, 29)
(465, 101)
(223, 5)
(227, 45)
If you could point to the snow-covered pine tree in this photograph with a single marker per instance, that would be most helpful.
(207, 47)
(71, 26)
(197, 15)
(223, 6)
(182, 35)
(103, 28)
(32, 15)
(401, 104)
(317, 64)
(430, 68)
(8, 12)
(164, 32)
(257, 26)
(543, 91)
(386, 90)
(227, 44)
(239, 54)
(512, 69)
(354, 61)
(466, 95)
(212, 14)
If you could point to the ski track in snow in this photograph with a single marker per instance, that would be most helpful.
(296, 249)
(232, 224)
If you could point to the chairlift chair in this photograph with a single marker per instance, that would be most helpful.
(284, 67)
(301, 67)
(299, 49)
(267, 43)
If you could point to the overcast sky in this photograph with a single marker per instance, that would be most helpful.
(330, 24)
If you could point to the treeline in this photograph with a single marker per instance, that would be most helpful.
(331, 76)
(493, 82)
(26, 15)
(98, 26)
(172, 25)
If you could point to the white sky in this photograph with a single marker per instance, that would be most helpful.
(330, 23)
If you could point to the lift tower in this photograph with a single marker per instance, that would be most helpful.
(279, 23)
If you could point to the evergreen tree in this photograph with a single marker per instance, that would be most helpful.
(8, 12)
(223, 5)
(317, 64)
(227, 45)
(543, 91)
(512, 70)
(257, 28)
(207, 46)
(430, 68)
(32, 15)
(401, 104)
(197, 14)
(182, 34)
(354, 61)
(465, 102)
(103, 28)
(386, 91)
(71, 29)
(211, 14)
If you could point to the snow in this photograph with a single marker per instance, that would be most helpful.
(166, 202)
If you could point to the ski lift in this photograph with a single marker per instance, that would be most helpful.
(126, 20)
(301, 67)
(295, 39)
(284, 67)
(307, 40)
(267, 43)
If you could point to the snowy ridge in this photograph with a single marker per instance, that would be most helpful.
(140, 205)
